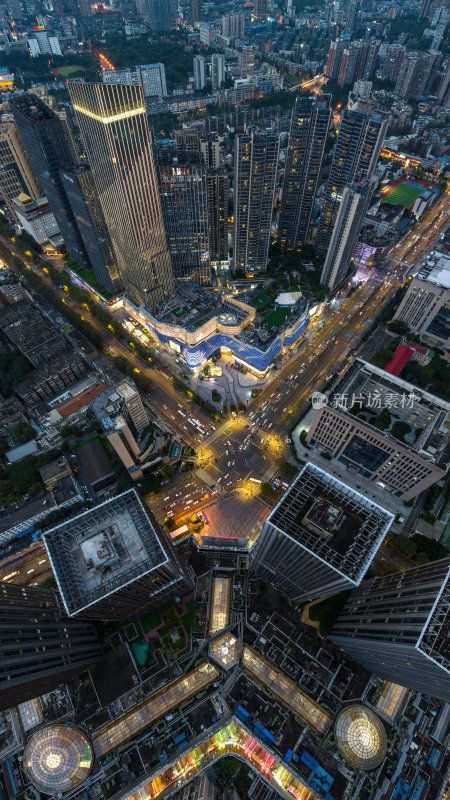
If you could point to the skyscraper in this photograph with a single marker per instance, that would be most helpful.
(195, 11)
(117, 139)
(199, 72)
(114, 562)
(161, 14)
(233, 26)
(397, 626)
(82, 195)
(217, 185)
(217, 70)
(416, 74)
(320, 538)
(444, 89)
(45, 141)
(357, 149)
(351, 15)
(349, 221)
(260, 8)
(17, 173)
(255, 172)
(40, 647)
(182, 178)
(308, 133)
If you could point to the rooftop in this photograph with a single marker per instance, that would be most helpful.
(425, 418)
(334, 522)
(436, 270)
(95, 553)
(286, 690)
(57, 758)
(173, 695)
(361, 737)
(225, 650)
(219, 610)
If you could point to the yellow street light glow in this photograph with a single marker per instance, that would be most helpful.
(133, 112)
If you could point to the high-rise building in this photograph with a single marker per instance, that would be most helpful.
(199, 72)
(152, 77)
(17, 173)
(42, 43)
(391, 61)
(210, 150)
(320, 538)
(444, 89)
(118, 144)
(335, 54)
(233, 26)
(397, 626)
(255, 173)
(426, 305)
(182, 179)
(217, 186)
(82, 195)
(114, 562)
(46, 143)
(195, 11)
(349, 221)
(416, 74)
(40, 647)
(246, 61)
(351, 15)
(36, 217)
(307, 137)
(134, 408)
(260, 8)
(217, 70)
(357, 150)
(160, 14)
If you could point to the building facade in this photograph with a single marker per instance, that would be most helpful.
(82, 195)
(397, 626)
(255, 173)
(307, 137)
(45, 140)
(17, 173)
(36, 217)
(320, 538)
(199, 72)
(182, 180)
(357, 150)
(349, 221)
(367, 451)
(40, 647)
(117, 138)
(217, 187)
(217, 70)
(426, 305)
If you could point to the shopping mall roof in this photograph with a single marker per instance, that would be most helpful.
(361, 737)
(145, 713)
(57, 758)
(219, 606)
(225, 650)
(97, 552)
(392, 700)
(278, 683)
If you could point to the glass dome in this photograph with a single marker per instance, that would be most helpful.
(57, 758)
(361, 737)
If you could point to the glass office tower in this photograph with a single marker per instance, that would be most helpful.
(118, 144)
(308, 133)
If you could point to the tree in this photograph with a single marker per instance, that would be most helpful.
(398, 326)
(22, 432)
